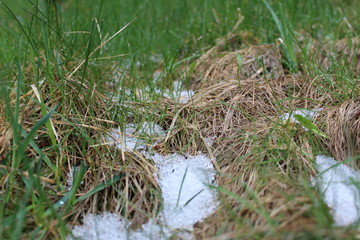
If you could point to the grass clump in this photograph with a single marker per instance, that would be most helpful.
(75, 69)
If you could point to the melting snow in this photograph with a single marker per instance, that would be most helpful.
(110, 226)
(129, 140)
(180, 95)
(184, 183)
(187, 197)
(306, 113)
(337, 183)
(152, 129)
(104, 226)
(126, 141)
(156, 58)
(157, 75)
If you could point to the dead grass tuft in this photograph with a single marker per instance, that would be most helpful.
(134, 196)
(80, 120)
(240, 96)
(342, 126)
(350, 50)
(345, 52)
(256, 164)
(254, 62)
(225, 107)
(262, 161)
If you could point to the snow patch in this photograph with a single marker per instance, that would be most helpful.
(184, 182)
(157, 75)
(306, 113)
(102, 227)
(110, 226)
(336, 182)
(187, 197)
(152, 129)
(126, 141)
(179, 94)
(156, 58)
(129, 140)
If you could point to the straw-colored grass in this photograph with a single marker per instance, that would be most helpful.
(254, 62)
(343, 129)
(345, 52)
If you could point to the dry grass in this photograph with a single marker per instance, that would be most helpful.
(345, 52)
(242, 115)
(254, 62)
(81, 114)
(254, 163)
(261, 160)
(342, 126)
(133, 196)
(227, 106)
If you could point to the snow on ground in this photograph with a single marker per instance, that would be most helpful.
(156, 58)
(306, 113)
(157, 75)
(336, 182)
(184, 183)
(129, 140)
(102, 227)
(179, 94)
(110, 226)
(183, 96)
(152, 129)
(187, 198)
(126, 141)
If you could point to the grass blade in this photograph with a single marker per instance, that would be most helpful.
(100, 187)
(181, 186)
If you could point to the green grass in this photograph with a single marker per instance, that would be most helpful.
(57, 51)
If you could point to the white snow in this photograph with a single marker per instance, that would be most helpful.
(187, 197)
(126, 141)
(179, 94)
(336, 182)
(184, 96)
(156, 58)
(184, 183)
(306, 113)
(102, 227)
(110, 226)
(130, 140)
(152, 129)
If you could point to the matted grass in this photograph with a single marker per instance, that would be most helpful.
(75, 69)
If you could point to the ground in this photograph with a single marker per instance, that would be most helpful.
(95, 95)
